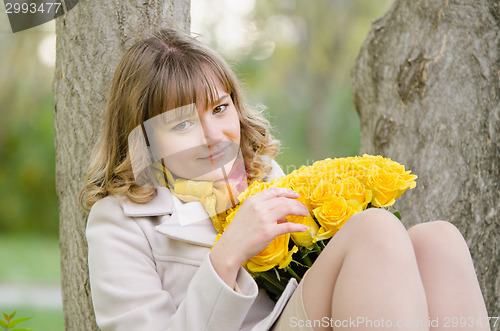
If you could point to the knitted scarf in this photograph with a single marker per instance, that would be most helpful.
(217, 197)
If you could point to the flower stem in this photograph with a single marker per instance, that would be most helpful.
(272, 281)
(294, 275)
(316, 248)
(307, 261)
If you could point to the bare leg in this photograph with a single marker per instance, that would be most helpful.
(449, 278)
(368, 270)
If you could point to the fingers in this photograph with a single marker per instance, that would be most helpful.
(282, 207)
(293, 205)
(278, 192)
(289, 227)
(276, 203)
(277, 209)
(283, 211)
(282, 220)
(270, 208)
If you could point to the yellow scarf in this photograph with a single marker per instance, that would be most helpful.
(215, 196)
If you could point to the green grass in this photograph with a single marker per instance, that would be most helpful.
(42, 319)
(29, 259)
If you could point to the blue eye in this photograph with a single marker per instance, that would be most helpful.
(182, 126)
(220, 108)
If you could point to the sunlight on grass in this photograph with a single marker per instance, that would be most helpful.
(29, 259)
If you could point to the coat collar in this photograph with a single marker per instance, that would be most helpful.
(184, 221)
(162, 204)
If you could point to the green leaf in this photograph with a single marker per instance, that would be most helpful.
(23, 329)
(19, 320)
(398, 215)
(7, 318)
(12, 315)
(267, 277)
(277, 274)
(3, 324)
(294, 275)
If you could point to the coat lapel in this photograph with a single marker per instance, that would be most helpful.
(184, 221)
(190, 223)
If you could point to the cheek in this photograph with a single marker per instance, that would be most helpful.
(235, 128)
(165, 145)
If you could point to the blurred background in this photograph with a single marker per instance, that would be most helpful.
(292, 56)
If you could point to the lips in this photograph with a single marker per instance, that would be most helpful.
(216, 154)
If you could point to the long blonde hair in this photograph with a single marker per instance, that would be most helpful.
(163, 72)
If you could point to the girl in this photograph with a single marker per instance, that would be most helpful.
(177, 147)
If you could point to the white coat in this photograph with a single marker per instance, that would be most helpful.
(150, 270)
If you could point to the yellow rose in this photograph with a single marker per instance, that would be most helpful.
(217, 237)
(373, 158)
(288, 258)
(305, 197)
(252, 189)
(300, 179)
(333, 214)
(407, 180)
(359, 174)
(352, 189)
(283, 182)
(304, 238)
(316, 180)
(344, 165)
(271, 256)
(392, 166)
(385, 186)
(231, 213)
(366, 163)
(323, 191)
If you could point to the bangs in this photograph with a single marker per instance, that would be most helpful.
(180, 82)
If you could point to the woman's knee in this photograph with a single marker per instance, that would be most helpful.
(378, 227)
(436, 236)
(440, 248)
(436, 231)
(376, 218)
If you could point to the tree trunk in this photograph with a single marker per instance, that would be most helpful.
(426, 87)
(90, 40)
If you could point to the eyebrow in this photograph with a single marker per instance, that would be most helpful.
(180, 114)
(220, 100)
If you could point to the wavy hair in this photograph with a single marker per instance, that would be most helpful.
(168, 70)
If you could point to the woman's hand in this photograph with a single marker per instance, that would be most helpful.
(259, 220)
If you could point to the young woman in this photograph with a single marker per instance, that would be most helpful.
(178, 145)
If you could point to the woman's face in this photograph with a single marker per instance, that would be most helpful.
(195, 141)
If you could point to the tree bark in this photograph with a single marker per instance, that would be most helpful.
(90, 41)
(426, 87)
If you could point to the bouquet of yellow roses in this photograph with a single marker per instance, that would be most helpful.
(333, 190)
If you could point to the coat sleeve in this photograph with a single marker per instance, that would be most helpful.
(127, 292)
(276, 171)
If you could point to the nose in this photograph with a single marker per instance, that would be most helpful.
(212, 132)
